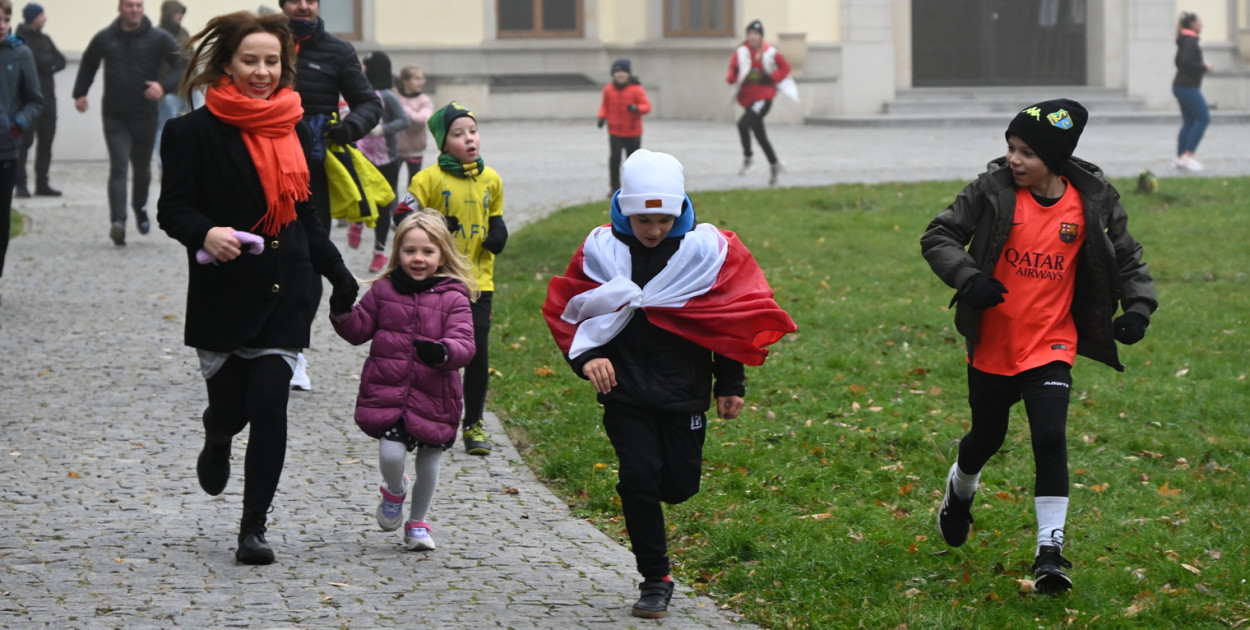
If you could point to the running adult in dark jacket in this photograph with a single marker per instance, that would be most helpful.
(131, 59)
(48, 61)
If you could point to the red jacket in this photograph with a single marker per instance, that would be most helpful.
(615, 108)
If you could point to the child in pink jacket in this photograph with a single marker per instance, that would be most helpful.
(417, 316)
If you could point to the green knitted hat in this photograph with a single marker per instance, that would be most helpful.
(441, 121)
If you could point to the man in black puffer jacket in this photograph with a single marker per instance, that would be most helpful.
(132, 52)
(327, 67)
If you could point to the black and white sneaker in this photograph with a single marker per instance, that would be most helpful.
(1049, 577)
(955, 515)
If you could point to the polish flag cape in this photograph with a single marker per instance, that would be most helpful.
(711, 292)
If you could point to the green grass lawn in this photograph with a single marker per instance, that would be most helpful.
(818, 503)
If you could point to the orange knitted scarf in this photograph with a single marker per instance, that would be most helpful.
(268, 131)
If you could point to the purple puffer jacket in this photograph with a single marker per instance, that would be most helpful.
(395, 385)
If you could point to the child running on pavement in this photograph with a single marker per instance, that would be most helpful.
(1039, 250)
(469, 195)
(660, 314)
(623, 105)
(417, 315)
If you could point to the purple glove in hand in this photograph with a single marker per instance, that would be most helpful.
(250, 243)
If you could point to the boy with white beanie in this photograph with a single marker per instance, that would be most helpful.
(660, 314)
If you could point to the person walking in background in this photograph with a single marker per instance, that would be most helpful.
(48, 61)
(172, 12)
(660, 314)
(1187, 88)
(1039, 252)
(756, 70)
(234, 193)
(20, 102)
(141, 65)
(381, 147)
(419, 107)
(327, 67)
(470, 195)
(623, 105)
(411, 401)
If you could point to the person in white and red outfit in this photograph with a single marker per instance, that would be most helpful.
(756, 70)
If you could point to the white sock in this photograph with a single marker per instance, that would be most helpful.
(965, 484)
(1052, 514)
(426, 483)
(391, 456)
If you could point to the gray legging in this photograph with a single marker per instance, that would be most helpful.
(130, 143)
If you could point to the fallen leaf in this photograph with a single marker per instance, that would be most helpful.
(817, 517)
(511, 491)
(911, 592)
(74, 475)
(343, 584)
(1182, 372)
(1167, 491)
(1100, 487)
(904, 490)
(1191, 568)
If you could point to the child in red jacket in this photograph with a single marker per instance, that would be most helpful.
(624, 103)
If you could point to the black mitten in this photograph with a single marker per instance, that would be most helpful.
(453, 223)
(766, 79)
(1130, 328)
(496, 236)
(601, 123)
(982, 291)
(430, 352)
(633, 108)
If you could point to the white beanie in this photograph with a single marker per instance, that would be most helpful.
(652, 183)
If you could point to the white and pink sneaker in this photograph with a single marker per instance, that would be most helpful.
(417, 536)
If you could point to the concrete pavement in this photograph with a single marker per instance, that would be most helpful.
(106, 527)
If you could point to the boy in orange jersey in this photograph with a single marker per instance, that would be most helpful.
(1039, 250)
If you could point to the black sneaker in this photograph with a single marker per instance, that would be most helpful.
(656, 594)
(955, 515)
(1048, 571)
(21, 192)
(117, 232)
(141, 221)
(44, 190)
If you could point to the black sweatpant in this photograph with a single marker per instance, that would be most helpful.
(753, 122)
(1045, 391)
(661, 459)
(477, 372)
(253, 393)
(391, 173)
(8, 175)
(40, 135)
(130, 144)
(616, 146)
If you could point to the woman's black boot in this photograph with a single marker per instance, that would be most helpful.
(253, 548)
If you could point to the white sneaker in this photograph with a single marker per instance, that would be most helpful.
(1191, 163)
(417, 536)
(746, 166)
(774, 170)
(391, 508)
(300, 380)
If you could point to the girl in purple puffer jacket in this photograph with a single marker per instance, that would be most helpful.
(417, 315)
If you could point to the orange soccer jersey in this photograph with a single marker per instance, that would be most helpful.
(1034, 326)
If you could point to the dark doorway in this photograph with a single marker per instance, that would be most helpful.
(998, 42)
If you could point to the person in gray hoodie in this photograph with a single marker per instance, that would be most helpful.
(20, 102)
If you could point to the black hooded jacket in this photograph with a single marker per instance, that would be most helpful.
(131, 59)
(327, 66)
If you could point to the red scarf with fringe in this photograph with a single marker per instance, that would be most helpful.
(268, 131)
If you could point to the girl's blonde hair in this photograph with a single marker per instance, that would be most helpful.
(454, 264)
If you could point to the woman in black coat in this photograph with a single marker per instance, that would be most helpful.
(234, 193)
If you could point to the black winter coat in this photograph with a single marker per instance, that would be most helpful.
(131, 59)
(656, 369)
(256, 301)
(48, 61)
(327, 66)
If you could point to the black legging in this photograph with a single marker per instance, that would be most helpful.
(391, 173)
(1045, 391)
(253, 393)
(616, 146)
(8, 172)
(319, 186)
(477, 372)
(753, 122)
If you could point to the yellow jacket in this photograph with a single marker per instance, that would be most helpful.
(473, 201)
(347, 192)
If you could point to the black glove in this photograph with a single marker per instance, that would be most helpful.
(601, 123)
(430, 352)
(340, 133)
(1130, 328)
(633, 108)
(344, 294)
(982, 291)
(496, 236)
(453, 224)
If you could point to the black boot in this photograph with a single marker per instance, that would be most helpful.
(253, 548)
(20, 191)
(656, 593)
(213, 465)
(42, 189)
